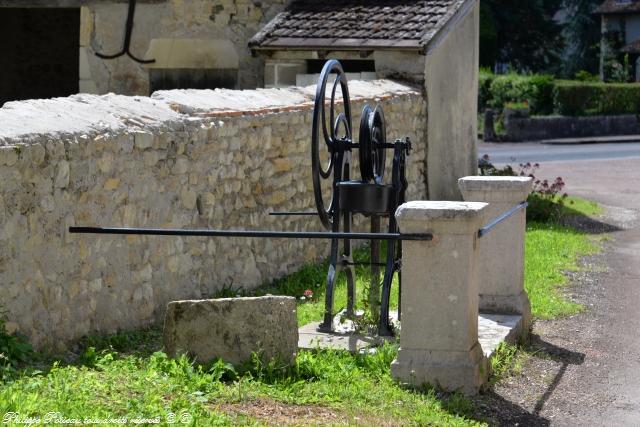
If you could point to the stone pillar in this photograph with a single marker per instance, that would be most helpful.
(501, 262)
(439, 337)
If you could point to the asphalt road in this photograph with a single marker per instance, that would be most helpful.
(605, 389)
(514, 153)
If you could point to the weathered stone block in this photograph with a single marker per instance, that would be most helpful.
(232, 328)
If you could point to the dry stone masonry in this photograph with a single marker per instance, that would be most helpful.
(181, 159)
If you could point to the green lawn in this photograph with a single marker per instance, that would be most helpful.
(550, 250)
(125, 375)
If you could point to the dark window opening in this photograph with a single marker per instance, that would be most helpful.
(40, 53)
(314, 66)
(166, 79)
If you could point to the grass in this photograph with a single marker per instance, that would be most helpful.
(552, 249)
(125, 376)
(105, 383)
(313, 277)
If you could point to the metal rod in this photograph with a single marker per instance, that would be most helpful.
(243, 233)
(126, 48)
(487, 228)
(293, 213)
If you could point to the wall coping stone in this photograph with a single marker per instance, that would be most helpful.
(507, 189)
(29, 121)
(259, 101)
(439, 210)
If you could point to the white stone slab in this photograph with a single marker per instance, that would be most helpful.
(496, 328)
(492, 330)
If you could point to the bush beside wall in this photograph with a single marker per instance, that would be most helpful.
(536, 90)
(573, 98)
(547, 96)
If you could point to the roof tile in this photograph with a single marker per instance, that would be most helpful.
(619, 6)
(354, 22)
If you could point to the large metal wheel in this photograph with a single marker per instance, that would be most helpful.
(337, 137)
(372, 153)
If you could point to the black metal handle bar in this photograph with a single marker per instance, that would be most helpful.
(506, 215)
(249, 233)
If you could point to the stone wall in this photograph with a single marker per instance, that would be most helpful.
(556, 127)
(185, 159)
(224, 26)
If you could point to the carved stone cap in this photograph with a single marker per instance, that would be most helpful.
(440, 217)
(511, 189)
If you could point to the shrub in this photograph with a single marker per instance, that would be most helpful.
(485, 79)
(585, 76)
(582, 98)
(15, 350)
(546, 201)
(536, 89)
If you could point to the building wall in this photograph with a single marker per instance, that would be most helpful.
(451, 81)
(183, 159)
(227, 25)
(632, 25)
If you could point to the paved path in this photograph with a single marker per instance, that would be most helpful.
(612, 361)
(515, 153)
(594, 375)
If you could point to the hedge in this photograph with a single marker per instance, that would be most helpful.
(537, 90)
(485, 78)
(566, 97)
(572, 98)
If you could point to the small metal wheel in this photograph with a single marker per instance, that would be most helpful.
(335, 143)
(372, 153)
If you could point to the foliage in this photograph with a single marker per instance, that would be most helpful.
(581, 32)
(551, 249)
(521, 33)
(15, 350)
(544, 95)
(546, 201)
(615, 66)
(618, 71)
(585, 76)
(584, 98)
(502, 361)
(485, 79)
(356, 388)
(536, 90)
(488, 169)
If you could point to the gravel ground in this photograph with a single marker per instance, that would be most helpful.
(576, 370)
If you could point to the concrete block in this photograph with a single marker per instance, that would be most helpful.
(501, 260)
(232, 328)
(439, 339)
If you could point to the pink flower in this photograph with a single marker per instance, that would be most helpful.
(308, 293)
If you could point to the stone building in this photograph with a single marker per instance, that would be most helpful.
(51, 45)
(433, 43)
(620, 37)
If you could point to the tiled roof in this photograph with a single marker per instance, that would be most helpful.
(633, 47)
(618, 6)
(357, 24)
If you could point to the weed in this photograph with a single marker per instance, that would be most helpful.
(15, 350)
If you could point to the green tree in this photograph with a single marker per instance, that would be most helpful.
(582, 34)
(521, 33)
